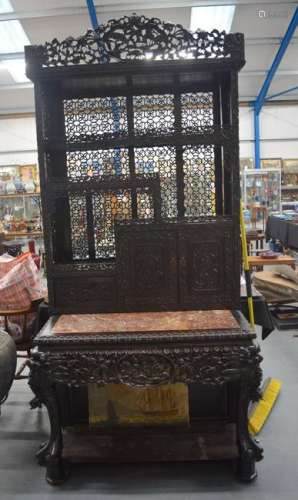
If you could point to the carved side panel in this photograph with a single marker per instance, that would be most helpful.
(147, 269)
(87, 294)
(208, 266)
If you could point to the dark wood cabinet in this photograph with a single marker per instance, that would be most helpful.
(137, 129)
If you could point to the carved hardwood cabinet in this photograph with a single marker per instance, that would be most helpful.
(138, 121)
(137, 127)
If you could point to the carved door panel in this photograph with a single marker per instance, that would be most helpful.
(209, 275)
(147, 269)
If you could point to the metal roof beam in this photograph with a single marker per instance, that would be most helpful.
(4, 56)
(92, 14)
(262, 72)
(265, 87)
(284, 92)
(277, 60)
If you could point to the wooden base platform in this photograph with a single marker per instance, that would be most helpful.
(209, 441)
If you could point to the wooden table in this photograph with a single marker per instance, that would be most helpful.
(258, 261)
(212, 351)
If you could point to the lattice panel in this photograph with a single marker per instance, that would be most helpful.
(108, 207)
(90, 119)
(199, 180)
(85, 165)
(154, 114)
(145, 203)
(161, 160)
(197, 112)
(78, 223)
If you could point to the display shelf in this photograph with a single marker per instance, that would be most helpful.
(289, 187)
(20, 203)
(19, 234)
(17, 195)
(262, 187)
(289, 179)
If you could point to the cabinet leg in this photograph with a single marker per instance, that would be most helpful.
(246, 469)
(50, 453)
(55, 474)
(249, 451)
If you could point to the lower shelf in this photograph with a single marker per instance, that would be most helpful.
(210, 441)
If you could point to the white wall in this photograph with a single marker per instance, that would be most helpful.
(17, 141)
(278, 124)
(278, 130)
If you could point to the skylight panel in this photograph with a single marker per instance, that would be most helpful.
(12, 37)
(5, 6)
(16, 68)
(209, 18)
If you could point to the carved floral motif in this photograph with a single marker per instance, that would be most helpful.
(139, 38)
(210, 365)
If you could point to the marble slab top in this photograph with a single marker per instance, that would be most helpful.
(167, 321)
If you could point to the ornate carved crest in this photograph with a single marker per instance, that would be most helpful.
(138, 38)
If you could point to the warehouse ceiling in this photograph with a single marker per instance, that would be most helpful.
(263, 24)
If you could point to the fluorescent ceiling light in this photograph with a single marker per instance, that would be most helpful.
(16, 68)
(210, 18)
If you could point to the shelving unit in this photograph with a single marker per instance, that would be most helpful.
(289, 181)
(262, 187)
(20, 211)
(18, 195)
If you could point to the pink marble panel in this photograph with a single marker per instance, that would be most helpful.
(145, 322)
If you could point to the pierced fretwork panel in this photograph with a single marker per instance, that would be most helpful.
(154, 114)
(161, 160)
(197, 112)
(78, 224)
(145, 203)
(199, 180)
(89, 119)
(108, 207)
(117, 205)
(85, 165)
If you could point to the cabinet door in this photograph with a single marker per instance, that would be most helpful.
(147, 269)
(209, 266)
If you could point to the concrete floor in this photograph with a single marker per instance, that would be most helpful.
(22, 430)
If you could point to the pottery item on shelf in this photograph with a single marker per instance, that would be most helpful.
(2, 187)
(10, 187)
(269, 254)
(29, 186)
(19, 185)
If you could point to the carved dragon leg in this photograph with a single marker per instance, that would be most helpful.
(50, 453)
(55, 470)
(249, 451)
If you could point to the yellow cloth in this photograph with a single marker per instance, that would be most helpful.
(120, 405)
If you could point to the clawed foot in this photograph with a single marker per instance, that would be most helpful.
(56, 473)
(246, 466)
